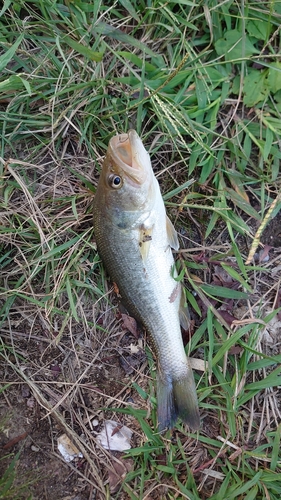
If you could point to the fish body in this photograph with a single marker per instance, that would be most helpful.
(134, 239)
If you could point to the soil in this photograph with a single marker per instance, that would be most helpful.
(39, 470)
(272, 232)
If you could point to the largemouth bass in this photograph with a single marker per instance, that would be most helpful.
(134, 239)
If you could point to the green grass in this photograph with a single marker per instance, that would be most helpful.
(7, 488)
(201, 84)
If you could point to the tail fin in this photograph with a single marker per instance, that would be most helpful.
(177, 398)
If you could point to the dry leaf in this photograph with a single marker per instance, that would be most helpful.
(264, 253)
(235, 349)
(198, 364)
(213, 473)
(130, 324)
(118, 473)
(196, 278)
(240, 191)
(227, 316)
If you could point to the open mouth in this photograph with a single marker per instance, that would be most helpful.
(124, 149)
(130, 155)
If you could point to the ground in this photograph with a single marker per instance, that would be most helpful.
(200, 83)
(100, 369)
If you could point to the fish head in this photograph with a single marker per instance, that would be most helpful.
(127, 182)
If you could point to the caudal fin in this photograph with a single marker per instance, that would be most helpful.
(177, 398)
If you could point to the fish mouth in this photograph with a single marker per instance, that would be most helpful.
(128, 154)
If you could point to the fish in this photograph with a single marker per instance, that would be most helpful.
(135, 239)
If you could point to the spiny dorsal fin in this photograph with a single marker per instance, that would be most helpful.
(172, 235)
(145, 237)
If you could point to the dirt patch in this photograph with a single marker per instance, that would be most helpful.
(272, 233)
(39, 469)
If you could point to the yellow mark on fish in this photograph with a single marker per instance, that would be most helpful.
(145, 238)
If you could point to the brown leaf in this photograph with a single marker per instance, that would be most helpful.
(198, 258)
(263, 255)
(118, 473)
(117, 429)
(240, 190)
(227, 316)
(15, 440)
(161, 459)
(235, 349)
(130, 324)
(116, 289)
(114, 481)
(195, 278)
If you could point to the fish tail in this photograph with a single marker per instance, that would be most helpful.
(177, 398)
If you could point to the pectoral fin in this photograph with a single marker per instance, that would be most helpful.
(172, 235)
(145, 238)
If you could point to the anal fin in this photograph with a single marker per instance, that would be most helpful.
(184, 312)
(172, 235)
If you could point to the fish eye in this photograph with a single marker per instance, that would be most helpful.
(115, 181)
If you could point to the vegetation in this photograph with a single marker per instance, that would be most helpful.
(201, 84)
